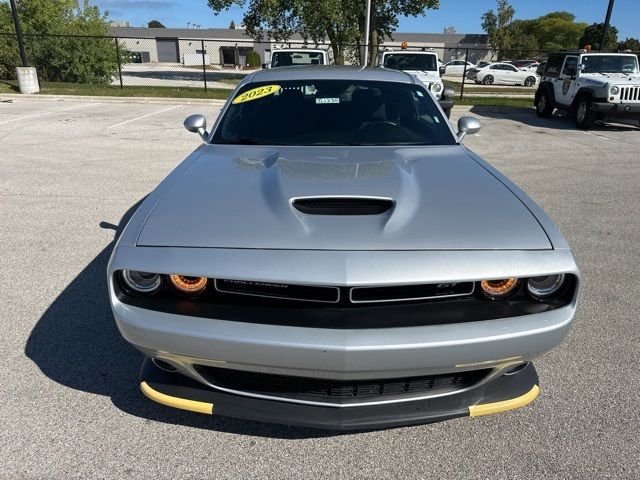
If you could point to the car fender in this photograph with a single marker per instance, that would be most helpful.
(582, 91)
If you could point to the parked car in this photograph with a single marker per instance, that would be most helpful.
(424, 66)
(456, 67)
(505, 74)
(333, 256)
(590, 86)
(288, 57)
(522, 63)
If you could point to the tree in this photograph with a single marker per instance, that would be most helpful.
(232, 25)
(553, 31)
(593, 34)
(253, 59)
(632, 44)
(64, 58)
(155, 24)
(341, 22)
(497, 25)
(523, 38)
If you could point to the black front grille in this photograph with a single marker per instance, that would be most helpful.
(342, 206)
(306, 293)
(410, 292)
(334, 391)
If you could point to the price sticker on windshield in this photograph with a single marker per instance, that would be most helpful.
(256, 93)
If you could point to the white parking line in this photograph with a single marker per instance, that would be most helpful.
(144, 116)
(48, 113)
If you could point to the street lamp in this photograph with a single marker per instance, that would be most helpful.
(605, 27)
(367, 24)
(16, 23)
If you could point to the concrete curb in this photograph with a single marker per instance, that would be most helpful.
(107, 99)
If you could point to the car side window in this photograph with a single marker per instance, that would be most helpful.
(570, 66)
(511, 68)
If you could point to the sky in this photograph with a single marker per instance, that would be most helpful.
(463, 15)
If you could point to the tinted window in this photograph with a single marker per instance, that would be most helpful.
(410, 61)
(286, 59)
(554, 64)
(333, 112)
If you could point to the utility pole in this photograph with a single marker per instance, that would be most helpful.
(16, 23)
(367, 24)
(605, 27)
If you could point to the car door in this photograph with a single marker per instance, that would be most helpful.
(513, 75)
(562, 87)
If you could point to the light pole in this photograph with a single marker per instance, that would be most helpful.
(16, 23)
(605, 27)
(367, 24)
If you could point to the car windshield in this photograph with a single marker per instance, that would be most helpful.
(410, 61)
(287, 59)
(610, 64)
(333, 112)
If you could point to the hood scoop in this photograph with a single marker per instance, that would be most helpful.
(343, 205)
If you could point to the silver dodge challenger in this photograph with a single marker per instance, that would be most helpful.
(332, 256)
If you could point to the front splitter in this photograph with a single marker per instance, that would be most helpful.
(501, 394)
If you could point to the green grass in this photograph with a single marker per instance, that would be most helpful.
(494, 101)
(115, 91)
(213, 93)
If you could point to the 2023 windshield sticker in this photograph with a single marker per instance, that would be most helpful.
(256, 93)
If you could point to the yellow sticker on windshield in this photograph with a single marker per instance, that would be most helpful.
(256, 93)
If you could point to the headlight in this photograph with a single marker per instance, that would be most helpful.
(190, 285)
(546, 286)
(436, 87)
(141, 282)
(499, 289)
(614, 90)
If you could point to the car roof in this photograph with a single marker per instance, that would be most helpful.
(420, 52)
(302, 49)
(329, 72)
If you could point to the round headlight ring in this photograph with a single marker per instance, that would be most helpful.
(546, 285)
(614, 90)
(187, 284)
(436, 87)
(141, 282)
(499, 289)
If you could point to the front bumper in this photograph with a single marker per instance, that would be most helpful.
(504, 393)
(617, 110)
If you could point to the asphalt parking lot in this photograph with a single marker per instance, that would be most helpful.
(71, 172)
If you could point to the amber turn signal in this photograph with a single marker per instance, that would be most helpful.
(499, 289)
(190, 285)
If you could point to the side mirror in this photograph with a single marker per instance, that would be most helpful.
(581, 67)
(264, 65)
(467, 126)
(448, 92)
(197, 124)
(442, 70)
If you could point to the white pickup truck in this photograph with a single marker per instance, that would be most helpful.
(424, 65)
(287, 57)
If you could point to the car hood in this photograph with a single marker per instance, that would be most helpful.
(429, 75)
(602, 79)
(241, 197)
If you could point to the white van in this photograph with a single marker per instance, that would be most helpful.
(425, 66)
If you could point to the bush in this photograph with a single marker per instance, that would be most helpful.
(60, 58)
(253, 59)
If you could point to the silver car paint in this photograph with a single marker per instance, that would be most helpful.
(368, 353)
(444, 200)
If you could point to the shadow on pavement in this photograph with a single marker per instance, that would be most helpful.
(559, 121)
(76, 343)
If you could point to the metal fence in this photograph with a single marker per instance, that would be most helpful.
(149, 64)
